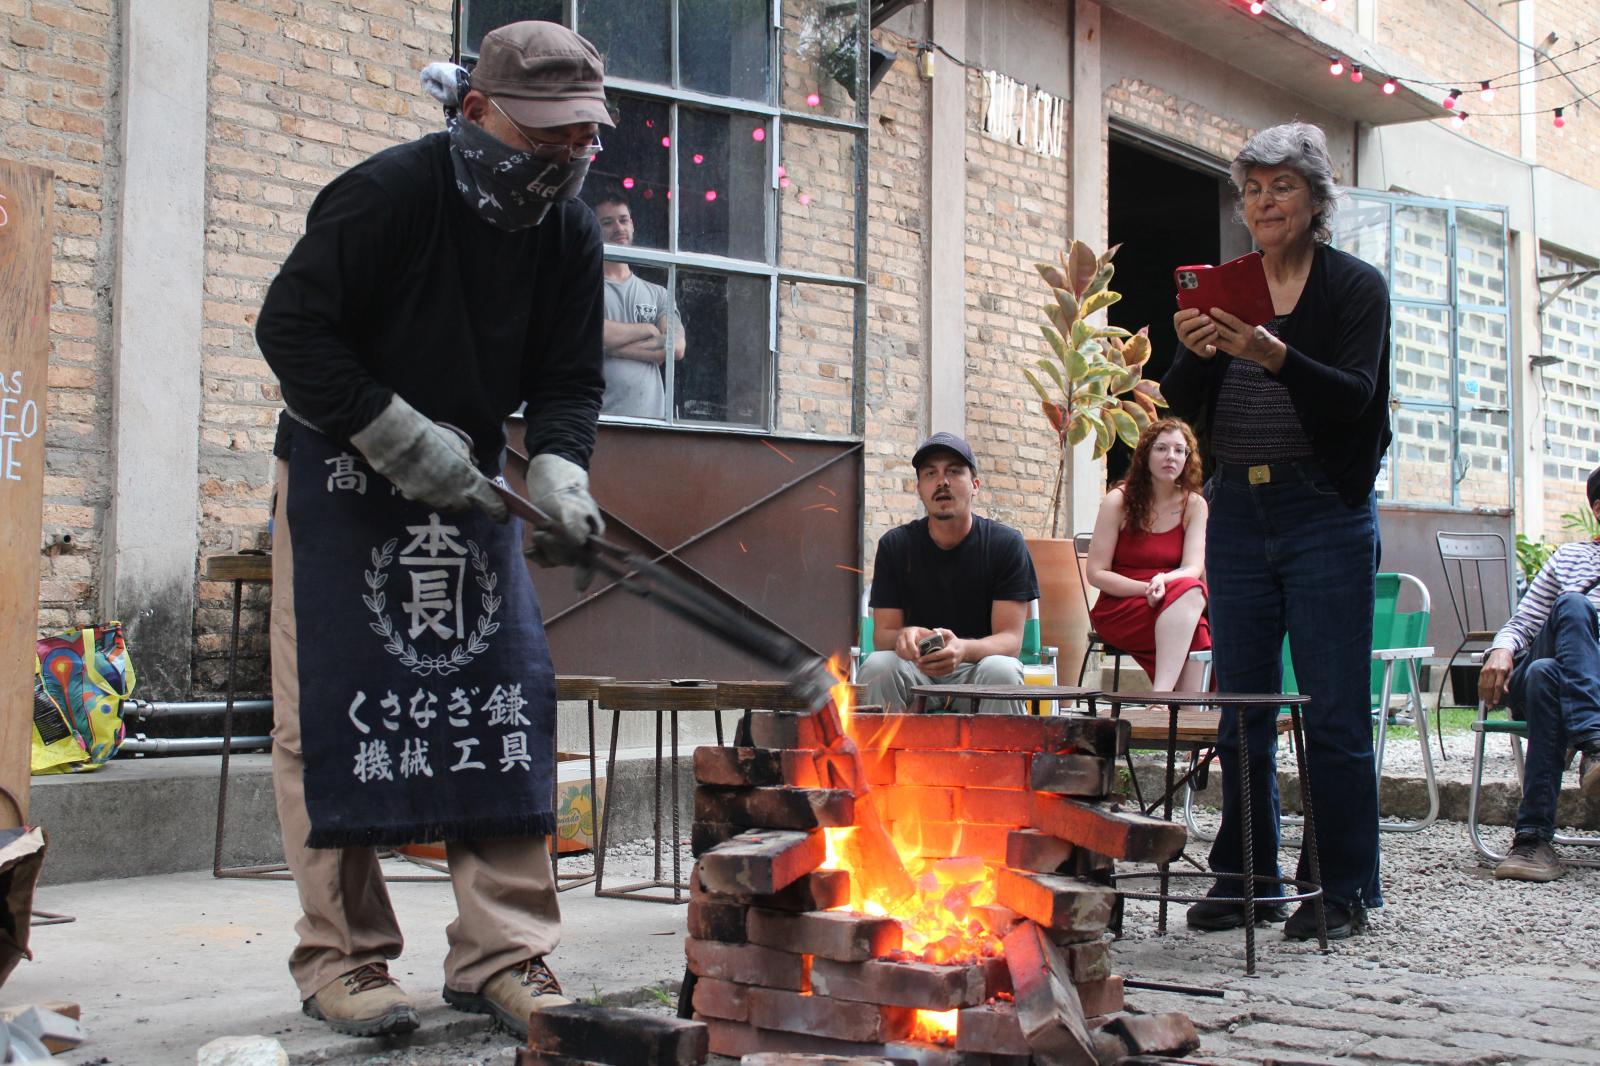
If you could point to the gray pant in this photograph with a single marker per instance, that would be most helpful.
(889, 680)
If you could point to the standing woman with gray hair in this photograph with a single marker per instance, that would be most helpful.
(1299, 424)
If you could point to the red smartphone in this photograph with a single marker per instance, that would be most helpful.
(1238, 286)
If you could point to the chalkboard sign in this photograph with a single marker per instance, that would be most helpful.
(25, 201)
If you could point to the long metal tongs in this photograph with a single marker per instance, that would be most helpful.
(650, 580)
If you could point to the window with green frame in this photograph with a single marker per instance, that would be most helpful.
(732, 195)
(1450, 356)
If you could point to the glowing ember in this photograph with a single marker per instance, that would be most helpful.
(939, 916)
(935, 1027)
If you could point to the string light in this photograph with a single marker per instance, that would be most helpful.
(627, 183)
(1355, 73)
(1449, 102)
(813, 100)
(1560, 119)
(758, 134)
(1389, 87)
(1335, 66)
(1257, 7)
(1460, 119)
(1486, 92)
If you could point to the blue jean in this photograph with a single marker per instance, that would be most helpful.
(1555, 688)
(1291, 557)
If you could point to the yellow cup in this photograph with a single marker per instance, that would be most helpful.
(1040, 675)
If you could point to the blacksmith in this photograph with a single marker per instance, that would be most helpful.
(440, 285)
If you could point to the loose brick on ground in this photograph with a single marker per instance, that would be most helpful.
(832, 1019)
(1100, 997)
(839, 935)
(924, 985)
(616, 1034)
(1029, 849)
(748, 964)
(991, 769)
(1074, 775)
(1047, 1005)
(775, 808)
(1060, 904)
(1121, 835)
(759, 863)
(1168, 1033)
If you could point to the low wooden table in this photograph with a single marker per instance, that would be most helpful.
(1189, 705)
(1034, 694)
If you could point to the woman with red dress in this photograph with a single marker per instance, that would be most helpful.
(1147, 556)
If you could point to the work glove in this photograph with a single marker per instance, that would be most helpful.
(560, 488)
(427, 462)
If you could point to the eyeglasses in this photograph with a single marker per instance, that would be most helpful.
(1279, 191)
(1178, 450)
(552, 149)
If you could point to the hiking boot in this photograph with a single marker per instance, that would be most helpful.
(511, 995)
(1530, 859)
(1344, 920)
(1213, 916)
(366, 1001)
(1589, 774)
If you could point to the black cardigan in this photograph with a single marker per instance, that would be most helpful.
(1336, 370)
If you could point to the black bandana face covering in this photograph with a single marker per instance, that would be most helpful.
(510, 188)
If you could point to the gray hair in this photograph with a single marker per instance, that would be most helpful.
(1302, 147)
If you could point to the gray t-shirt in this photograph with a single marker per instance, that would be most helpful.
(633, 387)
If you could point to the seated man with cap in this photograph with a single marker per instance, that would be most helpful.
(950, 591)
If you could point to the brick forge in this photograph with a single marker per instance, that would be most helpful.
(1003, 818)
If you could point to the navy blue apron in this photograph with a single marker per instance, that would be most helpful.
(427, 697)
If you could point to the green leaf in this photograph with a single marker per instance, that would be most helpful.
(1068, 304)
(1078, 432)
(1104, 298)
(1112, 331)
(1052, 275)
(1076, 366)
(1137, 348)
(1081, 332)
(1058, 318)
(1140, 416)
(1106, 258)
(1102, 437)
(1056, 342)
(1126, 429)
(1040, 389)
(1125, 380)
(1100, 279)
(1050, 368)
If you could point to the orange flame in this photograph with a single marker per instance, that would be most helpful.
(935, 1027)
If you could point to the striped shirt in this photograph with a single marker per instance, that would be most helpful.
(1255, 420)
(1573, 568)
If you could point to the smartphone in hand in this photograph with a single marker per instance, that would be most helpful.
(1238, 286)
(929, 644)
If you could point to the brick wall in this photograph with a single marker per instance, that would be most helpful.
(58, 82)
(300, 91)
(1448, 40)
(1574, 151)
(896, 384)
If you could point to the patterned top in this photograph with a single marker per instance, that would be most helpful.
(1255, 420)
(1573, 568)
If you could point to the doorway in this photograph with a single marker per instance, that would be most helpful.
(1166, 210)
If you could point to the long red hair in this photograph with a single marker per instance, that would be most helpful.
(1138, 488)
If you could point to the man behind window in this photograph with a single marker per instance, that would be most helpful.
(1545, 664)
(639, 315)
(953, 575)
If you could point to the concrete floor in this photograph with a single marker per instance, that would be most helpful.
(161, 965)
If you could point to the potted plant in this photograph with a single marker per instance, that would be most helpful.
(1089, 384)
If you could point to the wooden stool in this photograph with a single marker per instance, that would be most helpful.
(587, 689)
(660, 698)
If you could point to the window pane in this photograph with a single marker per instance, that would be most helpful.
(1480, 257)
(1361, 227)
(817, 198)
(1485, 451)
(722, 184)
(634, 37)
(1422, 253)
(1481, 355)
(819, 57)
(724, 47)
(630, 177)
(816, 345)
(480, 16)
(725, 374)
(1422, 354)
(1420, 456)
(641, 327)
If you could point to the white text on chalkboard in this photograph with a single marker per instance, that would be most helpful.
(19, 421)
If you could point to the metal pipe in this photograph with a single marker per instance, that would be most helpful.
(150, 709)
(189, 745)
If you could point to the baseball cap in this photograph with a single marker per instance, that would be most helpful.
(1594, 486)
(542, 75)
(946, 442)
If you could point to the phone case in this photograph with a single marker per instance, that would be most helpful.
(1238, 286)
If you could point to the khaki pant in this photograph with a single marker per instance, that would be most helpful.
(505, 893)
(890, 679)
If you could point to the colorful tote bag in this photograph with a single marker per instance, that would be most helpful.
(83, 677)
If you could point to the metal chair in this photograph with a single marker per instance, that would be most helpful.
(1476, 567)
(1080, 545)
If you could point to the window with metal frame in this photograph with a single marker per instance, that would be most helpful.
(1568, 382)
(732, 196)
(1450, 358)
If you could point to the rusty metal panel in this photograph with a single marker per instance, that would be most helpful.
(1408, 547)
(769, 525)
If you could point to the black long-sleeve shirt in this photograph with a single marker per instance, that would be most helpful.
(1336, 370)
(398, 287)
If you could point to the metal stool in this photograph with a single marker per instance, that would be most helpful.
(660, 698)
(587, 689)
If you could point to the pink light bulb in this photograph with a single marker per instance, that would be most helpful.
(783, 183)
(813, 100)
(666, 142)
(698, 159)
(782, 172)
(1389, 87)
(711, 194)
(758, 134)
(805, 198)
(627, 183)
(1257, 7)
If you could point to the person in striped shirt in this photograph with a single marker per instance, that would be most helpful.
(1545, 665)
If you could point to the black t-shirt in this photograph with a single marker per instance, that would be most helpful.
(953, 589)
(398, 286)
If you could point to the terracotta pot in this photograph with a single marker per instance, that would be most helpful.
(1063, 618)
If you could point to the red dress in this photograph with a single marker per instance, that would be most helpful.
(1128, 623)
